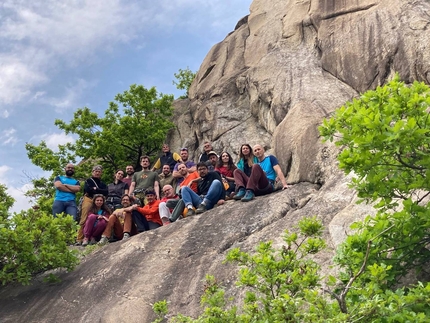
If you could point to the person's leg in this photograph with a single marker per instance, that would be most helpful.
(58, 207)
(258, 182)
(153, 225)
(89, 225)
(86, 205)
(99, 229)
(190, 198)
(240, 180)
(164, 211)
(71, 209)
(177, 211)
(216, 192)
(140, 221)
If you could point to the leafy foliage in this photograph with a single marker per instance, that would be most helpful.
(184, 80)
(135, 124)
(32, 242)
(385, 138)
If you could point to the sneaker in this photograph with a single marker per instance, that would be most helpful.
(126, 236)
(191, 212)
(248, 196)
(78, 243)
(104, 240)
(85, 242)
(93, 241)
(240, 194)
(201, 208)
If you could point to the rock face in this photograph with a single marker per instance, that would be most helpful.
(271, 81)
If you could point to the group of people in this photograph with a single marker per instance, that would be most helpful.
(174, 187)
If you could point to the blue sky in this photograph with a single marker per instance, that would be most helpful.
(57, 56)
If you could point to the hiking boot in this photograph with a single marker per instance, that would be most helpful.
(248, 196)
(104, 240)
(85, 242)
(201, 208)
(126, 236)
(240, 194)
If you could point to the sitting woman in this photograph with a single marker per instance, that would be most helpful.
(98, 217)
(115, 190)
(226, 167)
(247, 159)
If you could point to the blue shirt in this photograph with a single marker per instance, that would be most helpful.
(267, 165)
(65, 196)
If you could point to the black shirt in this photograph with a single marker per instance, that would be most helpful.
(205, 182)
(92, 182)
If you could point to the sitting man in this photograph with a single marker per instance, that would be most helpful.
(148, 217)
(209, 186)
(168, 203)
(191, 166)
(262, 178)
(166, 177)
(120, 222)
(207, 147)
(189, 179)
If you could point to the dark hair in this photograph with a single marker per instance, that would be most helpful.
(200, 164)
(93, 208)
(150, 190)
(250, 159)
(230, 165)
(124, 195)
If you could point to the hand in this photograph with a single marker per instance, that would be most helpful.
(285, 187)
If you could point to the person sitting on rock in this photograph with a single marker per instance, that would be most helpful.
(209, 186)
(191, 166)
(148, 217)
(189, 179)
(120, 222)
(226, 167)
(166, 178)
(116, 189)
(167, 203)
(98, 216)
(246, 159)
(262, 178)
(207, 147)
(167, 157)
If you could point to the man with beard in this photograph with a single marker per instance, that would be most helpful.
(210, 191)
(166, 178)
(129, 170)
(120, 222)
(144, 179)
(66, 188)
(191, 166)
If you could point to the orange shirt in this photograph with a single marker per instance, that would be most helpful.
(187, 180)
(150, 211)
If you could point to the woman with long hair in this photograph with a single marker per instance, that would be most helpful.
(226, 167)
(244, 167)
(246, 159)
(98, 217)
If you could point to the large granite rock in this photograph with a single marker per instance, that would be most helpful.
(271, 81)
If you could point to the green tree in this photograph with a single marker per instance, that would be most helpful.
(385, 136)
(184, 80)
(32, 242)
(135, 124)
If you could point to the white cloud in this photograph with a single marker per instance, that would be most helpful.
(5, 114)
(55, 139)
(21, 201)
(8, 137)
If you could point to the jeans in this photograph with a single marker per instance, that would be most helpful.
(68, 207)
(216, 192)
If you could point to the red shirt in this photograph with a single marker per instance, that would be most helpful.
(150, 211)
(223, 170)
